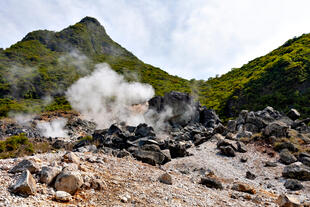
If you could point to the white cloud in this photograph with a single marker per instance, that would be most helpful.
(189, 38)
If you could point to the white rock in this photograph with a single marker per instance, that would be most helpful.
(62, 196)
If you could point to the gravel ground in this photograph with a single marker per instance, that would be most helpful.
(128, 182)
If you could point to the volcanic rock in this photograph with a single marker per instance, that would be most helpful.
(285, 200)
(227, 151)
(165, 178)
(178, 150)
(25, 185)
(150, 157)
(62, 196)
(250, 175)
(48, 174)
(293, 184)
(242, 187)
(286, 157)
(211, 182)
(277, 129)
(68, 181)
(71, 158)
(293, 114)
(24, 165)
(297, 171)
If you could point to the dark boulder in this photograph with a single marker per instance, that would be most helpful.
(297, 171)
(293, 114)
(208, 117)
(211, 183)
(150, 157)
(143, 130)
(227, 151)
(178, 150)
(250, 175)
(24, 165)
(286, 157)
(292, 184)
(277, 129)
(184, 109)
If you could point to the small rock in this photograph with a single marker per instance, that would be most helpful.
(242, 187)
(286, 157)
(48, 174)
(293, 185)
(62, 196)
(270, 164)
(97, 184)
(250, 175)
(24, 165)
(71, 157)
(25, 185)
(211, 182)
(125, 198)
(227, 151)
(241, 147)
(165, 178)
(243, 159)
(285, 200)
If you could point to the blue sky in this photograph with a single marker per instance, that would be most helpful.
(189, 38)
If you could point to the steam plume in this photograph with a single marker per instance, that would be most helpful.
(106, 97)
(55, 128)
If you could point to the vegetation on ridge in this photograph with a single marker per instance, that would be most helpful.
(45, 63)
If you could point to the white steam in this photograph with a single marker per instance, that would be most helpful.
(22, 118)
(106, 97)
(55, 128)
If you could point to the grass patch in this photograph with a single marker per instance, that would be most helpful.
(16, 146)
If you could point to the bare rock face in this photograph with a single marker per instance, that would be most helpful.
(48, 174)
(24, 165)
(62, 196)
(68, 181)
(285, 200)
(25, 185)
(165, 178)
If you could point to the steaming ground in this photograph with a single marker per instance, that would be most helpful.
(106, 97)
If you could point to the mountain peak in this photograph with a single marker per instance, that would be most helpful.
(87, 20)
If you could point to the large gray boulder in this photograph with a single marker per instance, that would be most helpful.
(297, 171)
(25, 185)
(68, 181)
(48, 174)
(277, 129)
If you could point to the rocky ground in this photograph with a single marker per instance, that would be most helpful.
(259, 159)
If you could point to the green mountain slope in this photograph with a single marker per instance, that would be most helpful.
(280, 79)
(44, 63)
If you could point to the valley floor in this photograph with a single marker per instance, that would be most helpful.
(127, 182)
